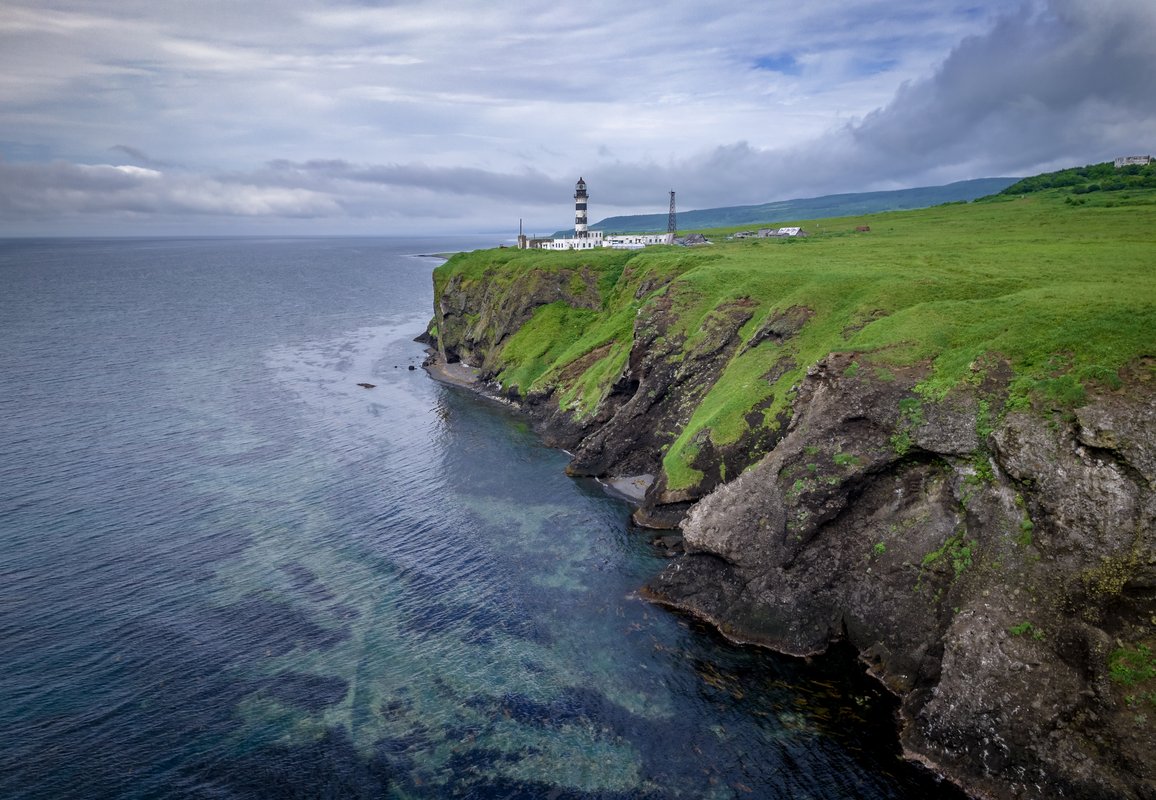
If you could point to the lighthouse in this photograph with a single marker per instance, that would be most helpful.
(583, 238)
(580, 210)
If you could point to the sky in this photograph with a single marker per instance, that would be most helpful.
(395, 117)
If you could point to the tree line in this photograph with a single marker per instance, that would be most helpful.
(1103, 177)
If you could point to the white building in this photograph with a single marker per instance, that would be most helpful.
(586, 239)
(637, 241)
(1129, 161)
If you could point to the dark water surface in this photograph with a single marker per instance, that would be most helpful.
(228, 571)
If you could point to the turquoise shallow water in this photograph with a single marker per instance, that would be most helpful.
(228, 571)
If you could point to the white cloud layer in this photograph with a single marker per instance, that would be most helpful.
(329, 117)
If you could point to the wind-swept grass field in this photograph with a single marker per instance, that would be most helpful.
(1064, 292)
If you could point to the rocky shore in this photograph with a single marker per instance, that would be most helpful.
(992, 563)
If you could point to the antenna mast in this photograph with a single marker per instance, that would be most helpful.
(671, 223)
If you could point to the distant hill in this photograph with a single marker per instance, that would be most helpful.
(832, 205)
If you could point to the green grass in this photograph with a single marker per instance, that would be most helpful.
(1130, 666)
(1026, 628)
(541, 342)
(1066, 294)
(956, 551)
(502, 266)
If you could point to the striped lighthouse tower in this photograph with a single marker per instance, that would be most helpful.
(580, 210)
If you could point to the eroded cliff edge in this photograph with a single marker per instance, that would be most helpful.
(990, 557)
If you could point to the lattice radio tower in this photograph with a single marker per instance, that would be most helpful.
(671, 222)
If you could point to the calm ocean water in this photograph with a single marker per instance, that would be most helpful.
(228, 571)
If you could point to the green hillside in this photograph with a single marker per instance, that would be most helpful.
(1102, 177)
(834, 205)
(1065, 294)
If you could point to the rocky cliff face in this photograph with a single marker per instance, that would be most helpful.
(645, 404)
(986, 573)
(995, 566)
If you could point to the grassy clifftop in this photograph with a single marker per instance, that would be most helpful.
(1063, 293)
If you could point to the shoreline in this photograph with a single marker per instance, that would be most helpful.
(631, 488)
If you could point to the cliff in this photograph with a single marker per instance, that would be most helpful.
(907, 440)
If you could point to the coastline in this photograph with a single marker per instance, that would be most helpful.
(631, 488)
(870, 513)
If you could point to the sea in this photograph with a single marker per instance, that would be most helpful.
(250, 549)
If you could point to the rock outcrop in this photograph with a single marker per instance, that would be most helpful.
(985, 574)
(646, 404)
(993, 563)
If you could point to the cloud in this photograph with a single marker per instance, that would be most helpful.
(529, 185)
(1051, 84)
(140, 156)
(305, 79)
(1044, 84)
(30, 191)
(362, 114)
(327, 195)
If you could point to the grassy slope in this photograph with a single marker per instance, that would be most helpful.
(1066, 293)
